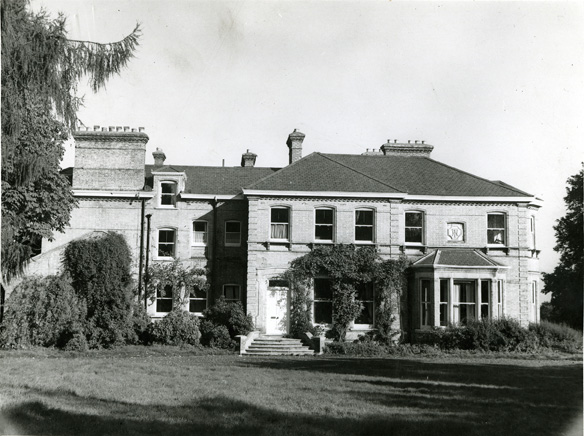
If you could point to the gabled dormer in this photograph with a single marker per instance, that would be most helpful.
(167, 181)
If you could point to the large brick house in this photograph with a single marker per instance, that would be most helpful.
(472, 241)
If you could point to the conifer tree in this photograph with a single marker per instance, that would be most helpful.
(41, 69)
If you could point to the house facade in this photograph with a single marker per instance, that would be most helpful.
(472, 241)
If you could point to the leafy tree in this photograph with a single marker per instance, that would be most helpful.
(566, 282)
(41, 69)
(100, 272)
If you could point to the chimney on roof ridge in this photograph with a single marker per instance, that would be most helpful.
(418, 148)
(248, 159)
(159, 157)
(294, 143)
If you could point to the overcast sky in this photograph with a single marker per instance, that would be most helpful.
(497, 88)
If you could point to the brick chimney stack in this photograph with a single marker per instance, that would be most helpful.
(417, 148)
(294, 143)
(109, 158)
(248, 159)
(159, 157)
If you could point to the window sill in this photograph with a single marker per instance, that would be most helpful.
(277, 245)
(169, 258)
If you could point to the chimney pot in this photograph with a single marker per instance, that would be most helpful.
(159, 157)
(140, 129)
(104, 129)
(118, 128)
(126, 128)
(112, 128)
(95, 128)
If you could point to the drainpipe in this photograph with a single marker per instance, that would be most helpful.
(146, 276)
(214, 254)
(141, 261)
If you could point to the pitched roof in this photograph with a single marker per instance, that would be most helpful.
(214, 180)
(319, 172)
(457, 257)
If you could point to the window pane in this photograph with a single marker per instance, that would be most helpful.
(364, 217)
(444, 291)
(164, 305)
(366, 316)
(166, 236)
(484, 311)
(278, 283)
(166, 250)
(279, 215)
(322, 289)
(413, 219)
(231, 292)
(168, 188)
(484, 291)
(323, 233)
(496, 221)
(365, 291)
(200, 226)
(363, 233)
(198, 293)
(197, 305)
(323, 312)
(233, 226)
(495, 236)
(279, 231)
(413, 235)
(324, 216)
(466, 293)
(443, 314)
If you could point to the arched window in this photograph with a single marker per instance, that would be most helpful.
(496, 229)
(280, 224)
(414, 227)
(364, 225)
(324, 224)
(166, 242)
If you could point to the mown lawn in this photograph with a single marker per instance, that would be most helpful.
(168, 391)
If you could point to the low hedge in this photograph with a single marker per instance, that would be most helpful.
(177, 328)
(557, 336)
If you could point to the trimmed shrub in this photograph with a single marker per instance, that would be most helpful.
(484, 335)
(357, 348)
(99, 268)
(230, 315)
(557, 336)
(177, 328)
(76, 343)
(42, 312)
(216, 336)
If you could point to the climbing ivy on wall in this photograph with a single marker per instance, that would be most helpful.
(100, 272)
(347, 267)
(168, 276)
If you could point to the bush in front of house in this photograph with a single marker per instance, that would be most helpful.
(216, 336)
(484, 335)
(99, 268)
(179, 327)
(230, 315)
(356, 348)
(557, 336)
(42, 311)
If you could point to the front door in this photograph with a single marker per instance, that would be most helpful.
(277, 308)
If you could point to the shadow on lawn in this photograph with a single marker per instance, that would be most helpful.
(423, 398)
(508, 399)
(213, 416)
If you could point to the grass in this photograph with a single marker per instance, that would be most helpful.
(166, 390)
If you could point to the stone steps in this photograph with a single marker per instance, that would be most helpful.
(277, 346)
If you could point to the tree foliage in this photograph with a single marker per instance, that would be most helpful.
(348, 267)
(41, 70)
(42, 312)
(566, 282)
(100, 273)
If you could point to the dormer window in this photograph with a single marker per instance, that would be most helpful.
(168, 193)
